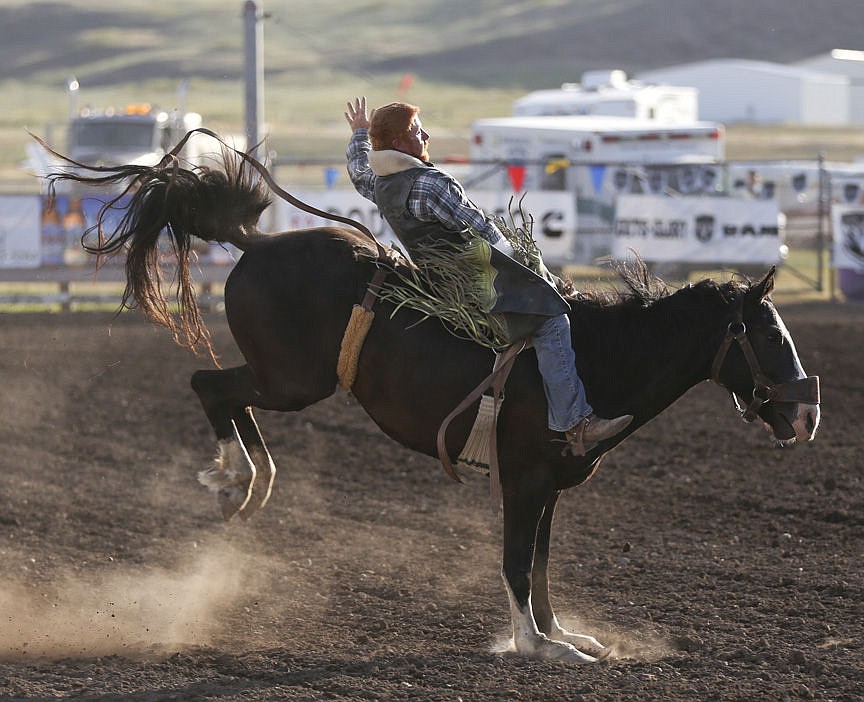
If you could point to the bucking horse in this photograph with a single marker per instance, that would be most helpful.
(291, 295)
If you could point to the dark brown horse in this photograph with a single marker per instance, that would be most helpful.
(290, 296)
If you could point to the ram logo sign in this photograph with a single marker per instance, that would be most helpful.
(698, 229)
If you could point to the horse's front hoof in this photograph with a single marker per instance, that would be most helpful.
(583, 642)
(544, 648)
(564, 652)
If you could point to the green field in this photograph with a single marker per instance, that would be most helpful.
(468, 60)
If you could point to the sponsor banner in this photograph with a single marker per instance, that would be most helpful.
(345, 203)
(697, 229)
(70, 224)
(554, 215)
(847, 222)
(20, 231)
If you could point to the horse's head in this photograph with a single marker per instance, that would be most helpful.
(757, 362)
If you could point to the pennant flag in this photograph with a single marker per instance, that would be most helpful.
(330, 176)
(597, 175)
(405, 83)
(517, 177)
(556, 165)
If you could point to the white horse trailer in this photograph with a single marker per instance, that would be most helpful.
(611, 93)
(658, 189)
(635, 155)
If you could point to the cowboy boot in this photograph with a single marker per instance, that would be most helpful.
(592, 429)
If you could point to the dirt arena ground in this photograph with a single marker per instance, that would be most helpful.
(720, 568)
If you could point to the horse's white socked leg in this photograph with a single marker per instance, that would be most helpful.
(231, 476)
(528, 641)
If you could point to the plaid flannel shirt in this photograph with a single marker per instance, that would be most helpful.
(435, 196)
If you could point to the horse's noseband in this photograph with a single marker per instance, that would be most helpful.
(805, 390)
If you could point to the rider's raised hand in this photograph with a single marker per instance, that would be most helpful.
(356, 115)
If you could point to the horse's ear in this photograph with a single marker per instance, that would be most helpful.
(759, 291)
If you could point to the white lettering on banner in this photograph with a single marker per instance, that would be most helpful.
(20, 231)
(697, 229)
(554, 216)
(344, 203)
(847, 222)
(643, 228)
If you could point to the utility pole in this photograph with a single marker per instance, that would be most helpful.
(253, 46)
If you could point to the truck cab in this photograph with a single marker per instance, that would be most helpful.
(138, 134)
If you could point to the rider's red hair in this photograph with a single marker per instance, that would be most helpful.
(389, 123)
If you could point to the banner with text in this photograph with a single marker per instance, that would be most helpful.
(698, 229)
(20, 231)
(554, 215)
(847, 222)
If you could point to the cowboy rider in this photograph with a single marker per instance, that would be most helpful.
(388, 163)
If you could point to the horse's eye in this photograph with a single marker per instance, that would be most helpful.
(775, 336)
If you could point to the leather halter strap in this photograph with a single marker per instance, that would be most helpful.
(805, 390)
(501, 370)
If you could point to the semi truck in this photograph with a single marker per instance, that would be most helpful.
(137, 134)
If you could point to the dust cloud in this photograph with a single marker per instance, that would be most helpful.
(645, 645)
(136, 611)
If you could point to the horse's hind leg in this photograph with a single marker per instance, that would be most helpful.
(541, 608)
(243, 472)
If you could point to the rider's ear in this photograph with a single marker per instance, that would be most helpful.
(759, 291)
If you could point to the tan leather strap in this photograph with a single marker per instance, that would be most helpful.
(496, 379)
(504, 364)
(576, 439)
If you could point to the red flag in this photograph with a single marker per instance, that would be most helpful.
(517, 177)
(406, 83)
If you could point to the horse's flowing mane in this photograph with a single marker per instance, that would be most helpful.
(642, 288)
(644, 307)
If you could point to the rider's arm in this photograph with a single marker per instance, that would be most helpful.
(358, 164)
(438, 196)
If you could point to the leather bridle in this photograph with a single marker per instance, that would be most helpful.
(804, 390)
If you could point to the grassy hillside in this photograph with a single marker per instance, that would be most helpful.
(504, 43)
(469, 59)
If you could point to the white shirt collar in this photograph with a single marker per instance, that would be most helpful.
(388, 162)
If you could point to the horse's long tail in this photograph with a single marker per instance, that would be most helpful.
(213, 204)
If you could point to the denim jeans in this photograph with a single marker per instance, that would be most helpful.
(565, 394)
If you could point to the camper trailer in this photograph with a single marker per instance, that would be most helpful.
(611, 93)
(627, 154)
(630, 185)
